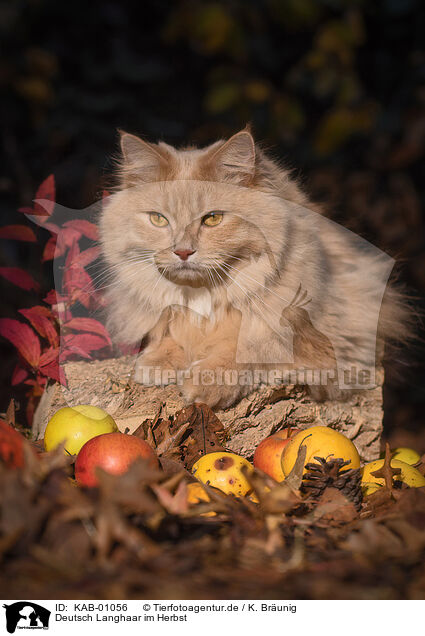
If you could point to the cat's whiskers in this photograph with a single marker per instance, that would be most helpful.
(134, 274)
(141, 253)
(224, 267)
(245, 292)
(248, 295)
(271, 291)
(132, 260)
(255, 294)
(269, 307)
(96, 288)
(161, 276)
(109, 269)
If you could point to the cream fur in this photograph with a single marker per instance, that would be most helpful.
(233, 303)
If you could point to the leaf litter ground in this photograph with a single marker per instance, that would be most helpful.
(135, 536)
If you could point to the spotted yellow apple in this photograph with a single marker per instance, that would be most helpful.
(222, 470)
(76, 425)
(196, 495)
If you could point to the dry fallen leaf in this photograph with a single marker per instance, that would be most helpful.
(135, 536)
(190, 433)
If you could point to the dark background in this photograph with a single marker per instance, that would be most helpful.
(334, 87)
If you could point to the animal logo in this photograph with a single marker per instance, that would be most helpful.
(26, 615)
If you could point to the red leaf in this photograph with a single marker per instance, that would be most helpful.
(73, 255)
(53, 298)
(44, 202)
(50, 367)
(41, 319)
(83, 227)
(88, 256)
(78, 285)
(19, 375)
(19, 277)
(52, 227)
(86, 342)
(89, 324)
(48, 357)
(26, 210)
(23, 338)
(11, 446)
(18, 233)
(55, 372)
(67, 236)
(40, 310)
(49, 251)
(57, 245)
(72, 350)
(76, 281)
(31, 382)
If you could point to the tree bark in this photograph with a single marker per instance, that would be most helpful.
(108, 384)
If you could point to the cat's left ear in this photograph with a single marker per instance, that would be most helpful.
(141, 161)
(235, 159)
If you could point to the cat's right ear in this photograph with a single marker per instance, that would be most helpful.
(234, 161)
(141, 162)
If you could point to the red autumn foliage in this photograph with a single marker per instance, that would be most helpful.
(11, 446)
(88, 324)
(19, 277)
(18, 232)
(50, 249)
(84, 227)
(47, 194)
(23, 338)
(43, 322)
(53, 334)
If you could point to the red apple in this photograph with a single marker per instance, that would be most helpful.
(285, 433)
(267, 456)
(113, 452)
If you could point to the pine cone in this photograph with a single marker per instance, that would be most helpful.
(329, 473)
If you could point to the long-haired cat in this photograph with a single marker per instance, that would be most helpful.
(221, 266)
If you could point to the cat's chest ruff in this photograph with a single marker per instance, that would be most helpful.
(201, 307)
(198, 301)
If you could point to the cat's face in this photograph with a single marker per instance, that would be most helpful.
(187, 216)
(194, 233)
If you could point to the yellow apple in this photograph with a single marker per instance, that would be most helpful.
(76, 425)
(196, 495)
(407, 455)
(321, 441)
(222, 470)
(408, 475)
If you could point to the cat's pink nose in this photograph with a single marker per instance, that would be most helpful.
(184, 254)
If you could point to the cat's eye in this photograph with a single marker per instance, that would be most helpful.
(158, 219)
(212, 218)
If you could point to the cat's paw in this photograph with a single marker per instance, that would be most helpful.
(152, 372)
(215, 395)
(150, 375)
(159, 366)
